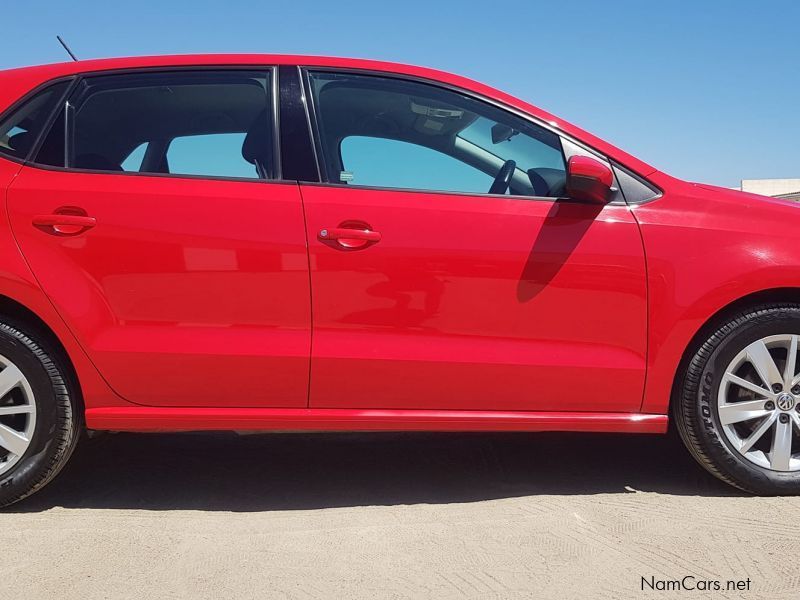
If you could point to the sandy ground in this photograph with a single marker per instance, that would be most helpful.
(391, 516)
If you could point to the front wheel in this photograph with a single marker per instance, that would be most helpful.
(738, 404)
(39, 416)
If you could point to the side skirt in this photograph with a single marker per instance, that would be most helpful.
(326, 419)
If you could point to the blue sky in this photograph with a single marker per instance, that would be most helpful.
(706, 90)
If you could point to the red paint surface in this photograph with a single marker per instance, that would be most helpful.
(471, 302)
(195, 297)
(185, 292)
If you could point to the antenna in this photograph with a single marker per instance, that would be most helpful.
(63, 43)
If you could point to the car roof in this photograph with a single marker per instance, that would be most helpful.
(15, 83)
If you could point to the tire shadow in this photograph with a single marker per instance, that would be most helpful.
(226, 472)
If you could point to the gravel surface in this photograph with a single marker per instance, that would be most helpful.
(440, 516)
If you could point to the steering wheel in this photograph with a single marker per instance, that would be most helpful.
(503, 178)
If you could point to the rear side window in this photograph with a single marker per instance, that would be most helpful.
(19, 130)
(211, 154)
(212, 124)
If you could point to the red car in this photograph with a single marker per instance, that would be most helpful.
(263, 243)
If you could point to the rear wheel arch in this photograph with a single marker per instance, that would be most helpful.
(17, 314)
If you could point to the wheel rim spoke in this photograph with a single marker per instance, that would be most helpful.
(762, 361)
(760, 419)
(18, 409)
(753, 387)
(780, 454)
(13, 441)
(758, 433)
(10, 377)
(17, 420)
(742, 411)
(791, 359)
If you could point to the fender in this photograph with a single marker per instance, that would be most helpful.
(705, 251)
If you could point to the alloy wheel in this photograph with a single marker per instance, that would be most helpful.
(17, 414)
(759, 403)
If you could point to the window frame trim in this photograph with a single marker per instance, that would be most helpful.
(325, 180)
(293, 113)
(271, 102)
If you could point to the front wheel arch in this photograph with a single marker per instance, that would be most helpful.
(784, 295)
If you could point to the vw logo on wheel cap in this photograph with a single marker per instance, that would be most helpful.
(785, 401)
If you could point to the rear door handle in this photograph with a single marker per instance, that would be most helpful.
(348, 237)
(64, 224)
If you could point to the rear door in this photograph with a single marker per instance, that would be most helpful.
(155, 219)
(448, 271)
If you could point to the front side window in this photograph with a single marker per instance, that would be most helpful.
(18, 132)
(393, 133)
(386, 162)
(213, 124)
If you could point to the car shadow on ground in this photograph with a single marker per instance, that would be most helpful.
(226, 472)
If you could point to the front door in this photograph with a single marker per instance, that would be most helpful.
(447, 270)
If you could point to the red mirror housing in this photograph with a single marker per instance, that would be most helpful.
(589, 180)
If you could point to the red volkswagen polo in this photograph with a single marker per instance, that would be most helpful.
(266, 243)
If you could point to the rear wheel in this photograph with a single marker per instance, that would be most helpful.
(39, 417)
(738, 409)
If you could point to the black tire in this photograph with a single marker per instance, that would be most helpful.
(58, 414)
(695, 403)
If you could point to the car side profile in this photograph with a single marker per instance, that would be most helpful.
(261, 243)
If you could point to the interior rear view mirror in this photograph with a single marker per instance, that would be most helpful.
(502, 133)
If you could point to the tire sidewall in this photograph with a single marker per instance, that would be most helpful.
(46, 441)
(777, 321)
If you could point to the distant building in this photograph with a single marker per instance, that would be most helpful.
(777, 188)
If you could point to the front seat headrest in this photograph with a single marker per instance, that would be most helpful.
(21, 143)
(257, 146)
(548, 182)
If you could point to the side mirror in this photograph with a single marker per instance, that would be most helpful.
(589, 180)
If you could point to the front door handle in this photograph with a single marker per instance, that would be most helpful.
(350, 237)
(64, 224)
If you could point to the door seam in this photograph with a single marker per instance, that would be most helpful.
(310, 294)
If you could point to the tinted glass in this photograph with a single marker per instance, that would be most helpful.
(213, 154)
(413, 166)
(133, 162)
(215, 124)
(387, 132)
(18, 131)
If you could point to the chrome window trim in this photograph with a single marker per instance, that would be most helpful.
(276, 125)
(313, 125)
(307, 99)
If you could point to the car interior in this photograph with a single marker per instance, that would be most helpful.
(141, 113)
(18, 135)
(522, 158)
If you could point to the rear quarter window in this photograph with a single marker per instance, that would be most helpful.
(22, 125)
